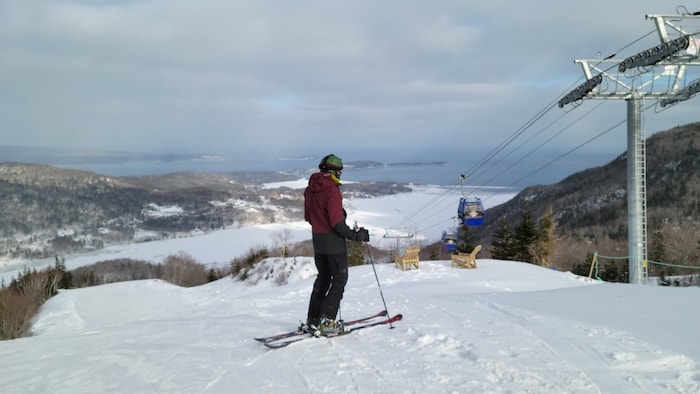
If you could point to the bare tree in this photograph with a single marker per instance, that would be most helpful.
(183, 270)
(16, 312)
(283, 243)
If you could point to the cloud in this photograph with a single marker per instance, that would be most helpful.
(227, 76)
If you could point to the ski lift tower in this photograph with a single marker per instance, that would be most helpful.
(659, 73)
(398, 235)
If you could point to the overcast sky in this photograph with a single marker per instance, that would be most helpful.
(297, 77)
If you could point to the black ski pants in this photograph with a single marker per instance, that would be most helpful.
(329, 285)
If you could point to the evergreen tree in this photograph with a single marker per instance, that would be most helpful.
(66, 277)
(356, 254)
(584, 267)
(212, 275)
(524, 235)
(542, 248)
(616, 271)
(435, 253)
(465, 239)
(502, 246)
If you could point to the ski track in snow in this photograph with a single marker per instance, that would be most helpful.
(562, 347)
(459, 354)
(464, 331)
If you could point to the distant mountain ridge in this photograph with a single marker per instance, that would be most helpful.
(59, 156)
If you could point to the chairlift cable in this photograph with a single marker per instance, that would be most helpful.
(531, 152)
(424, 229)
(537, 118)
(476, 172)
(542, 112)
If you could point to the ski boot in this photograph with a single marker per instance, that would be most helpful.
(329, 327)
(309, 326)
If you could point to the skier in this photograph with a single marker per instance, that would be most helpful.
(323, 209)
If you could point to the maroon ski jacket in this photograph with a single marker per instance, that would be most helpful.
(323, 208)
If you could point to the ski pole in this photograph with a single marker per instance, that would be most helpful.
(391, 326)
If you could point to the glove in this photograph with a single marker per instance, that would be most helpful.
(362, 235)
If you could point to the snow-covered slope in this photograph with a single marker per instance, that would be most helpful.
(505, 327)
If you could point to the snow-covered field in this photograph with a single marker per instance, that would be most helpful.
(505, 327)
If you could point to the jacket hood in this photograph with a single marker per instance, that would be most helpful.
(321, 181)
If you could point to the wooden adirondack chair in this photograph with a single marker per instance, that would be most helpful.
(409, 258)
(466, 260)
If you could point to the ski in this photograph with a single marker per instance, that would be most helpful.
(285, 343)
(291, 334)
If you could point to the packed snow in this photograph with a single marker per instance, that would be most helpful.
(504, 327)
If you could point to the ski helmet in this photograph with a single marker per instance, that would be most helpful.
(331, 163)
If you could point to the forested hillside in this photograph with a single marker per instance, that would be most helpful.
(590, 207)
(48, 211)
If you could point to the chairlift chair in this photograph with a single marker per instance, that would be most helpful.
(471, 210)
(449, 241)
